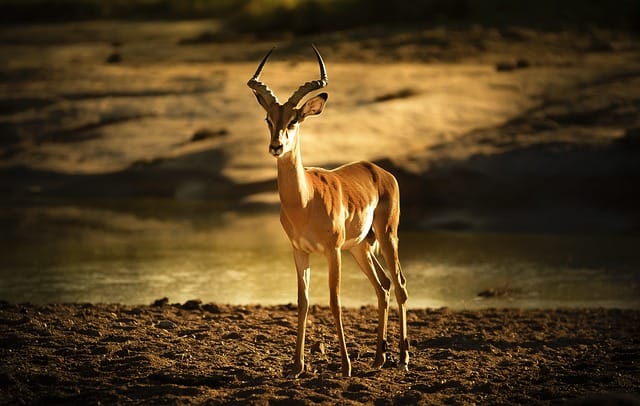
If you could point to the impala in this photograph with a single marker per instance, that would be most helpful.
(354, 207)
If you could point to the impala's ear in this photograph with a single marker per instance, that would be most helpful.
(313, 106)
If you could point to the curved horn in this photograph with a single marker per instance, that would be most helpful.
(260, 88)
(310, 86)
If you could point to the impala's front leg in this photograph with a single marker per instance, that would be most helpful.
(303, 271)
(334, 259)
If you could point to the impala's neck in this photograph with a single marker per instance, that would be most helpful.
(293, 186)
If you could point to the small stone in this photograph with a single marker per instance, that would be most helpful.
(166, 325)
(161, 302)
(90, 332)
(212, 308)
(318, 347)
(100, 350)
(192, 304)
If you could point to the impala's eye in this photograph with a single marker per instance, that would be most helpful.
(268, 122)
(293, 124)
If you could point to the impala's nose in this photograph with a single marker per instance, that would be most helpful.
(275, 149)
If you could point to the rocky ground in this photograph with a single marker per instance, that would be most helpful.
(216, 354)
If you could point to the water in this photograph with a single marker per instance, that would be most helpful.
(137, 252)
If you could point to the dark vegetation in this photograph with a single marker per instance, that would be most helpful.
(308, 16)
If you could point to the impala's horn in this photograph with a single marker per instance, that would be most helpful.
(264, 95)
(310, 86)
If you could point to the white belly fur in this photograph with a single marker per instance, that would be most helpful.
(366, 226)
(303, 244)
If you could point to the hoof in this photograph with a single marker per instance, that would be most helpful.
(380, 361)
(296, 372)
(403, 367)
(346, 369)
(294, 375)
(346, 372)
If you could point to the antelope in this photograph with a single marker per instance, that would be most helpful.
(353, 207)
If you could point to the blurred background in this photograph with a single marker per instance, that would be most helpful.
(134, 161)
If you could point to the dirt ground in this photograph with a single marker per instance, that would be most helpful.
(216, 354)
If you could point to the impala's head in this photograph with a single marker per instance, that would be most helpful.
(284, 119)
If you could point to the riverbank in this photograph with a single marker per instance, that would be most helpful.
(196, 353)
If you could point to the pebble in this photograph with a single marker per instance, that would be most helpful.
(318, 347)
(161, 302)
(212, 308)
(166, 325)
(232, 336)
(192, 304)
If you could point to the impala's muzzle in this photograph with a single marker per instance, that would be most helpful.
(276, 149)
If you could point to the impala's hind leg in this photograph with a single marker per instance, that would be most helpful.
(363, 254)
(389, 247)
(386, 227)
